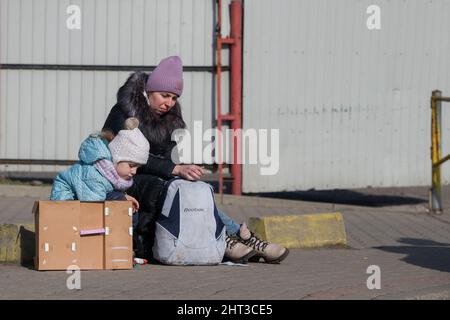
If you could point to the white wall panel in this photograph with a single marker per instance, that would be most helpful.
(352, 104)
(113, 32)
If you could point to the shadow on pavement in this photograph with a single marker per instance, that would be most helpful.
(346, 197)
(423, 253)
(27, 248)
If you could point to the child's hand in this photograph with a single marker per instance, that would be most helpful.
(135, 203)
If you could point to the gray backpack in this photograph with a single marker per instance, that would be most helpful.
(189, 230)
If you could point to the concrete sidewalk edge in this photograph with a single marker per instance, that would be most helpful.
(17, 242)
(302, 231)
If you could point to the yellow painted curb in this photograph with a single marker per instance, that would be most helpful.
(16, 243)
(301, 231)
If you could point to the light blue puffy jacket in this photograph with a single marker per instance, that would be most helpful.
(82, 181)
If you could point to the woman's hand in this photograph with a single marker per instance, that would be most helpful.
(135, 203)
(188, 171)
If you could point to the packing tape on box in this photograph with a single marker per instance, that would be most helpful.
(92, 231)
(74, 246)
(46, 247)
(106, 231)
(130, 231)
(106, 211)
(130, 212)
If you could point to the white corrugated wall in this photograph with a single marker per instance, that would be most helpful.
(45, 114)
(352, 105)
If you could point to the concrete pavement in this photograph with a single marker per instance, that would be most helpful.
(395, 233)
(305, 274)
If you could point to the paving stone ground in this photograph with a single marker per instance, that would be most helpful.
(409, 245)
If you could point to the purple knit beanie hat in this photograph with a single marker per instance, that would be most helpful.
(167, 76)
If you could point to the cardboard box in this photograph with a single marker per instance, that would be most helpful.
(89, 235)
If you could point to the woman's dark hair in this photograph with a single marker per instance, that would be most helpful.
(156, 128)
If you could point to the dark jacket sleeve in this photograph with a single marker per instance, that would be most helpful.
(160, 166)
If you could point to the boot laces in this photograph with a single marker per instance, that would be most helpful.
(255, 242)
(231, 241)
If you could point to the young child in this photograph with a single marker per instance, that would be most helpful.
(104, 171)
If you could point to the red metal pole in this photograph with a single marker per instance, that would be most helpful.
(236, 90)
(219, 90)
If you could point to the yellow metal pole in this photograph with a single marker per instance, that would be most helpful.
(435, 194)
(444, 159)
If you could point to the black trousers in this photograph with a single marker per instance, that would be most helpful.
(148, 190)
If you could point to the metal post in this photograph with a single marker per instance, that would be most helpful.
(236, 90)
(219, 95)
(435, 192)
(235, 114)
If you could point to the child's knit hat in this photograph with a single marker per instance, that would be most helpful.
(130, 144)
(167, 76)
